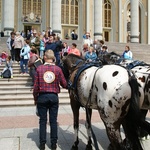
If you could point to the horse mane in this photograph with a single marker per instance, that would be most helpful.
(114, 53)
(106, 58)
(75, 56)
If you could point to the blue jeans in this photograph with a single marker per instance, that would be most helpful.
(48, 102)
(22, 63)
(57, 55)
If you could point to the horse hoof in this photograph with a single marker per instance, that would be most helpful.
(74, 147)
(88, 147)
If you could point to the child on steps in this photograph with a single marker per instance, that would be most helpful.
(8, 66)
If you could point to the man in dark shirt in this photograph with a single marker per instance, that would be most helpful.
(48, 77)
(51, 44)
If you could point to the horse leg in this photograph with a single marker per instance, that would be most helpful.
(143, 133)
(113, 132)
(88, 127)
(126, 141)
(75, 109)
(115, 139)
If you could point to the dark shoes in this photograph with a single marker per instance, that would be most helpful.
(53, 147)
(42, 146)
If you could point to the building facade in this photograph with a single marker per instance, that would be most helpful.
(111, 20)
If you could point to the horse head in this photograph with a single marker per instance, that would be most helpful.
(70, 63)
(111, 58)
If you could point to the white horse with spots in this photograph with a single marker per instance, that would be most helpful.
(142, 73)
(113, 91)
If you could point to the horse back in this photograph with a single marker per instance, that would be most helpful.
(109, 87)
(142, 74)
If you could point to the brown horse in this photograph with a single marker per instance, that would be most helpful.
(113, 91)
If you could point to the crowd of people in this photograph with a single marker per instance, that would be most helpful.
(47, 78)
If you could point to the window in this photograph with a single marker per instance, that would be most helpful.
(69, 12)
(107, 13)
(32, 10)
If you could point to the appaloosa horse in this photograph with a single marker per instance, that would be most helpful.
(113, 91)
(142, 73)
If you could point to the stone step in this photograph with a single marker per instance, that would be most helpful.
(24, 88)
(24, 93)
(17, 102)
(29, 96)
(14, 67)
(14, 84)
(10, 88)
(16, 71)
(15, 79)
(17, 92)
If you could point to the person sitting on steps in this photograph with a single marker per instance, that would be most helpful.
(8, 65)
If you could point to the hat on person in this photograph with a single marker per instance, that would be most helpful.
(50, 54)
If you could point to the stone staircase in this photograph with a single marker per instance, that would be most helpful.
(18, 92)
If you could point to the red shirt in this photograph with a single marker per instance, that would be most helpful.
(74, 51)
(47, 79)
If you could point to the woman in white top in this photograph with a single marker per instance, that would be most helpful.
(25, 56)
(18, 44)
(127, 54)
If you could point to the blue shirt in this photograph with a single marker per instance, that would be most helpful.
(51, 46)
(127, 55)
(91, 57)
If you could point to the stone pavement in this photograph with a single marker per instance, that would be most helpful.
(19, 129)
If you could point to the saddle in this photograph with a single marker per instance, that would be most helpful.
(72, 83)
(135, 63)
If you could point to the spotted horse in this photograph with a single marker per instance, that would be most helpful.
(113, 91)
(142, 73)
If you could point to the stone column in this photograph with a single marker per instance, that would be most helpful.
(8, 16)
(88, 20)
(134, 21)
(56, 16)
(120, 21)
(148, 9)
(98, 19)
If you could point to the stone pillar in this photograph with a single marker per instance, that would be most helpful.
(148, 9)
(8, 16)
(56, 16)
(88, 11)
(134, 21)
(98, 19)
(120, 21)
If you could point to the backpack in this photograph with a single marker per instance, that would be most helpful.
(38, 62)
(6, 74)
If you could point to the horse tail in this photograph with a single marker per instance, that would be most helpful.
(133, 120)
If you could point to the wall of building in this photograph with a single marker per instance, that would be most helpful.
(117, 31)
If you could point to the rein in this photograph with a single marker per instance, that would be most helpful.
(73, 86)
(90, 94)
(89, 100)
